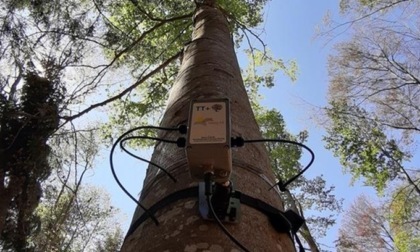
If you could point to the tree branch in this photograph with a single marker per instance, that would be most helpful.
(127, 90)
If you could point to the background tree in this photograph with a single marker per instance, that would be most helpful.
(304, 195)
(39, 41)
(24, 131)
(373, 117)
(75, 216)
(374, 92)
(392, 225)
(85, 221)
(364, 227)
(71, 216)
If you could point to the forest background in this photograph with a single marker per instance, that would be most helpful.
(363, 108)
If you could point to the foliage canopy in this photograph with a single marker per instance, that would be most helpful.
(374, 92)
(83, 55)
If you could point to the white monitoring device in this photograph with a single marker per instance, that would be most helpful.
(208, 143)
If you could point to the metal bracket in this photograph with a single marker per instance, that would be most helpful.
(226, 206)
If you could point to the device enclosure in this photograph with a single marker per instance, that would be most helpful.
(208, 141)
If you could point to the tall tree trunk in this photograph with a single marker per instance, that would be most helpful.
(209, 70)
(24, 159)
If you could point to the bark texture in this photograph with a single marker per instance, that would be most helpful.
(209, 70)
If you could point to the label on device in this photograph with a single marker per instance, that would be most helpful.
(209, 122)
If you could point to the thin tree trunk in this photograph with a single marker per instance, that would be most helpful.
(209, 70)
(304, 230)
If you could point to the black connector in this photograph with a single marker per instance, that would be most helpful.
(181, 142)
(221, 199)
(237, 142)
(183, 129)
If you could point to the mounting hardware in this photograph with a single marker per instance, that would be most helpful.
(225, 204)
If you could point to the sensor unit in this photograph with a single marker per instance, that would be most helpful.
(208, 143)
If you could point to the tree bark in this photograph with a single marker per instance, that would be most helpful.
(209, 70)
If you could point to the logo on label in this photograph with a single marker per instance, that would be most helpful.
(217, 107)
(202, 120)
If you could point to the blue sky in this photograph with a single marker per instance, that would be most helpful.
(289, 33)
(291, 27)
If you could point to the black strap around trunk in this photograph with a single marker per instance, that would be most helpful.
(283, 222)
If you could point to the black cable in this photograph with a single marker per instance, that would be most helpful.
(111, 161)
(283, 186)
(301, 248)
(150, 138)
(208, 192)
(145, 160)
